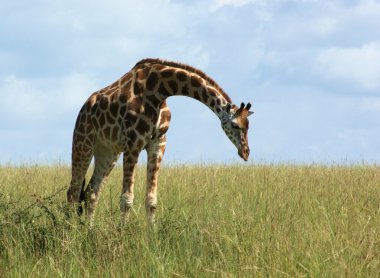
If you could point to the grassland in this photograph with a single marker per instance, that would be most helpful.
(213, 221)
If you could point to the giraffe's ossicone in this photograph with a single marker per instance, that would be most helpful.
(131, 115)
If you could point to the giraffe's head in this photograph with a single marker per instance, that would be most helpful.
(235, 124)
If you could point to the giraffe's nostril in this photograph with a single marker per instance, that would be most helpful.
(244, 153)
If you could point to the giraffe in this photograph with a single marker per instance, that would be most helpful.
(131, 115)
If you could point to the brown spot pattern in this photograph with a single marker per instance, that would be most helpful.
(151, 81)
(197, 95)
(142, 127)
(114, 108)
(110, 119)
(103, 103)
(141, 74)
(173, 86)
(131, 135)
(138, 88)
(135, 104)
(140, 144)
(123, 110)
(185, 90)
(102, 120)
(162, 90)
(167, 73)
(126, 78)
(115, 133)
(150, 111)
(107, 131)
(205, 95)
(196, 81)
(131, 118)
(181, 76)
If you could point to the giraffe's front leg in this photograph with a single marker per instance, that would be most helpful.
(105, 160)
(155, 151)
(126, 199)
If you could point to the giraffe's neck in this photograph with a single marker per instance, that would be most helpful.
(165, 79)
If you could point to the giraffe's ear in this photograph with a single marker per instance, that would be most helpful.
(249, 107)
(242, 105)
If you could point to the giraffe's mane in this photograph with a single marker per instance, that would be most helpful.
(188, 68)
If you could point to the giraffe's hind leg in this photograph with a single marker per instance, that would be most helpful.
(81, 159)
(105, 160)
(82, 152)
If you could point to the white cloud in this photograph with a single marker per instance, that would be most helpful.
(315, 24)
(356, 65)
(219, 4)
(31, 102)
(369, 105)
(235, 3)
(324, 26)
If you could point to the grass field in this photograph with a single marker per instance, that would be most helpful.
(212, 221)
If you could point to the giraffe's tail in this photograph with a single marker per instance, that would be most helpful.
(81, 198)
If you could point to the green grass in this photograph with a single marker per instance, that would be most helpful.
(212, 221)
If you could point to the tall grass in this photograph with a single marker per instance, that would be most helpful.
(212, 221)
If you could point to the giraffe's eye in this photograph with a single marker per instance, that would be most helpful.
(234, 125)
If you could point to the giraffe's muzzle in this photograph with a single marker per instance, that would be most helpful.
(244, 153)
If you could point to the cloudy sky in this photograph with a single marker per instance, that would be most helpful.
(311, 69)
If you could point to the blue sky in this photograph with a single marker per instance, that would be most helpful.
(311, 69)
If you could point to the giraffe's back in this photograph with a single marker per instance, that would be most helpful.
(124, 115)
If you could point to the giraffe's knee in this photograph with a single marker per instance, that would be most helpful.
(91, 199)
(126, 202)
(90, 202)
(151, 205)
(151, 202)
(73, 194)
